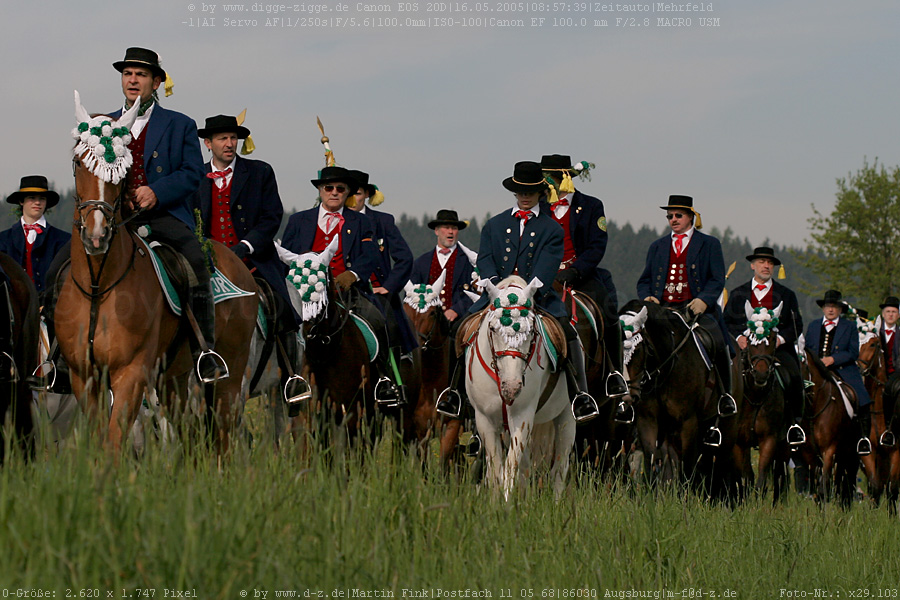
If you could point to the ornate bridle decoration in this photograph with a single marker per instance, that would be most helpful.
(761, 325)
(513, 321)
(867, 330)
(309, 277)
(104, 148)
(632, 323)
(422, 298)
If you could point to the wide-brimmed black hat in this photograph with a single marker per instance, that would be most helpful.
(445, 216)
(863, 313)
(333, 174)
(890, 301)
(833, 297)
(223, 124)
(557, 162)
(527, 177)
(763, 252)
(362, 179)
(676, 201)
(34, 185)
(141, 57)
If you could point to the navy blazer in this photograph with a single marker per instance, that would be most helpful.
(705, 267)
(395, 258)
(845, 351)
(536, 255)
(790, 323)
(357, 243)
(173, 163)
(256, 212)
(462, 278)
(587, 230)
(46, 245)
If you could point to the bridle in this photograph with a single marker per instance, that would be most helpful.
(438, 324)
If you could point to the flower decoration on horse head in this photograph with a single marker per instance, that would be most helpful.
(632, 323)
(307, 279)
(512, 309)
(761, 322)
(867, 329)
(102, 142)
(424, 295)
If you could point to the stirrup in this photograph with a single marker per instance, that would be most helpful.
(616, 387)
(584, 407)
(887, 439)
(474, 445)
(795, 435)
(864, 447)
(449, 403)
(36, 380)
(386, 393)
(296, 389)
(8, 368)
(727, 406)
(217, 366)
(713, 437)
(624, 413)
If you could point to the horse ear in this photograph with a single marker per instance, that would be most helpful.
(81, 115)
(533, 285)
(492, 289)
(878, 323)
(472, 295)
(778, 308)
(640, 319)
(748, 309)
(130, 116)
(285, 255)
(438, 284)
(409, 287)
(329, 252)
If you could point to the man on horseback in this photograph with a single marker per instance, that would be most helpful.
(314, 229)
(240, 207)
(685, 269)
(584, 225)
(526, 241)
(836, 342)
(763, 290)
(890, 314)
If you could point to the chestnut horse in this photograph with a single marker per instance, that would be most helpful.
(15, 397)
(112, 321)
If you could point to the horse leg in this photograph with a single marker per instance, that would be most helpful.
(874, 481)
(893, 481)
(449, 440)
(521, 429)
(827, 480)
(493, 447)
(565, 440)
(767, 448)
(128, 388)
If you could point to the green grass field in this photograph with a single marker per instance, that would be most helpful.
(267, 521)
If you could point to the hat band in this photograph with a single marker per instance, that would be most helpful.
(541, 182)
(34, 189)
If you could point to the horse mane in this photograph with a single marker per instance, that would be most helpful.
(512, 280)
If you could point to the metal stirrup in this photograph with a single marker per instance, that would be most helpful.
(214, 355)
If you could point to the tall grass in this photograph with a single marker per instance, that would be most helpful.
(268, 520)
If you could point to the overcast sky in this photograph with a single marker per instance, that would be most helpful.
(755, 117)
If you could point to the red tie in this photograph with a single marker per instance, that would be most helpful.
(34, 227)
(524, 214)
(760, 286)
(561, 202)
(334, 218)
(445, 250)
(829, 325)
(28, 246)
(218, 174)
(679, 242)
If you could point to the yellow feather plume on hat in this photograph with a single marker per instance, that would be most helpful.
(169, 85)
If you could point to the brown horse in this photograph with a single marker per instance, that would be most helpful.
(761, 420)
(887, 458)
(113, 325)
(15, 399)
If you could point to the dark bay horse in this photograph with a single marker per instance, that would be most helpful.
(887, 458)
(15, 395)
(112, 322)
(673, 394)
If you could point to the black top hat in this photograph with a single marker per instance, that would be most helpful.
(34, 185)
(223, 124)
(445, 216)
(141, 57)
(556, 162)
(861, 312)
(763, 252)
(833, 297)
(527, 177)
(676, 201)
(362, 178)
(890, 301)
(334, 174)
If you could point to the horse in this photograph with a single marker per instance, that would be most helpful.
(537, 411)
(672, 394)
(874, 371)
(15, 400)
(112, 323)
(761, 420)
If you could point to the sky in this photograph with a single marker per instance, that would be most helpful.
(755, 115)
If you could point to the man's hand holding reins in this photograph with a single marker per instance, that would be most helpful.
(144, 197)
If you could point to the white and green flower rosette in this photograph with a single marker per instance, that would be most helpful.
(761, 324)
(867, 329)
(309, 277)
(104, 148)
(512, 320)
(422, 297)
(632, 323)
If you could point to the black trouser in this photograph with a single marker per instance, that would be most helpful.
(890, 396)
(176, 233)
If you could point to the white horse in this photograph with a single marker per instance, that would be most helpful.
(513, 414)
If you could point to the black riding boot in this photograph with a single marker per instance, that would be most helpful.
(793, 401)
(616, 387)
(8, 371)
(386, 391)
(210, 366)
(864, 418)
(584, 407)
(726, 406)
(296, 389)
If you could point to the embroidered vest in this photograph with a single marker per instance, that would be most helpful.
(889, 353)
(826, 341)
(765, 301)
(568, 246)
(321, 242)
(222, 228)
(677, 289)
(137, 177)
(435, 271)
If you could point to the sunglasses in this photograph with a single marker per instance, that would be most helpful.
(340, 188)
(674, 216)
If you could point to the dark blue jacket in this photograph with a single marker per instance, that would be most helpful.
(845, 351)
(536, 255)
(256, 212)
(705, 267)
(46, 245)
(172, 161)
(395, 259)
(587, 230)
(790, 323)
(462, 278)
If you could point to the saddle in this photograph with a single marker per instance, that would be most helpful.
(554, 334)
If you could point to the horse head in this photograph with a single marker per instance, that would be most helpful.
(308, 280)
(762, 337)
(871, 358)
(427, 311)
(511, 332)
(101, 160)
(632, 322)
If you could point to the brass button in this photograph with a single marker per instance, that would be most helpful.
(239, 207)
(155, 154)
(159, 169)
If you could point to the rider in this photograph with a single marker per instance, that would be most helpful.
(836, 342)
(312, 230)
(763, 290)
(584, 224)
(527, 242)
(240, 207)
(686, 269)
(890, 314)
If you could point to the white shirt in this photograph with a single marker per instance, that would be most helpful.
(892, 330)
(760, 293)
(535, 210)
(222, 182)
(443, 258)
(327, 224)
(141, 121)
(30, 236)
(826, 319)
(561, 210)
(685, 240)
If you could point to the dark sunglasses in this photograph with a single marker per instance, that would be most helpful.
(669, 217)
(340, 188)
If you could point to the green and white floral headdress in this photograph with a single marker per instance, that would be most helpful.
(867, 329)
(307, 279)
(423, 296)
(102, 142)
(512, 309)
(761, 322)
(632, 323)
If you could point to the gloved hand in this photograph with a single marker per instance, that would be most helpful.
(697, 306)
(568, 277)
(345, 280)
(241, 250)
